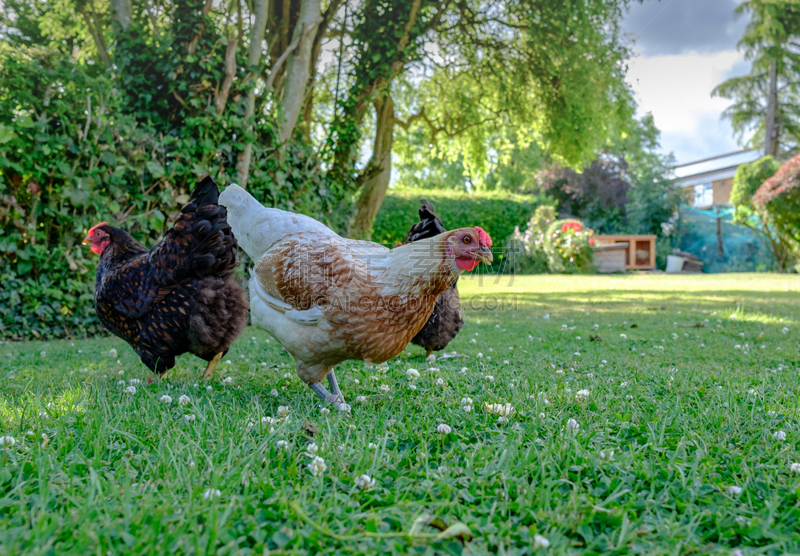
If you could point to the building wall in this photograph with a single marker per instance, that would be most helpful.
(722, 191)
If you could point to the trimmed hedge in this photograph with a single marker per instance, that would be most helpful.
(497, 212)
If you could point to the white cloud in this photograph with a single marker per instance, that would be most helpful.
(676, 89)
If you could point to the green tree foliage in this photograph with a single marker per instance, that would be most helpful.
(770, 43)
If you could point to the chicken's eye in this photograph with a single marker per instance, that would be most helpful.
(467, 240)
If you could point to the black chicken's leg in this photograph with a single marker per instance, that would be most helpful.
(209, 372)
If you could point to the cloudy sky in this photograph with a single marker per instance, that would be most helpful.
(684, 48)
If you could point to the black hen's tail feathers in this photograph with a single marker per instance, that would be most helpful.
(429, 225)
(205, 192)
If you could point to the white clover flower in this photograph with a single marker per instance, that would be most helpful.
(466, 401)
(572, 425)
(480, 355)
(771, 413)
(273, 393)
(121, 383)
(227, 380)
(357, 382)
(499, 409)
(209, 388)
(779, 435)
(412, 387)
(589, 375)
(282, 445)
(383, 388)
(210, 493)
(364, 482)
(623, 384)
(737, 346)
(542, 415)
(734, 490)
(505, 361)
(228, 361)
(559, 372)
(502, 420)
(740, 520)
(629, 397)
(473, 341)
(113, 353)
(267, 420)
(607, 454)
(577, 353)
(466, 408)
(287, 375)
(412, 374)
(582, 394)
(540, 542)
(7, 441)
(343, 407)
(431, 358)
(623, 336)
(184, 400)
(444, 429)
(165, 399)
(361, 399)
(372, 446)
(283, 410)
(489, 378)
(463, 370)
(250, 425)
(190, 418)
(794, 467)
(312, 449)
(134, 381)
(439, 382)
(130, 390)
(325, 411)
(784, 330)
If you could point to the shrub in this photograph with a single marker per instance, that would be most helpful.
(568, 246)
(528, 246)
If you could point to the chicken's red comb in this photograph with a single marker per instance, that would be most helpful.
(483, 237)
(93, 228)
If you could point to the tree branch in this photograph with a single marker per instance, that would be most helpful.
(192, 46)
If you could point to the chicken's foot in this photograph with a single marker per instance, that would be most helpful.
(209, 372)
(336, 400)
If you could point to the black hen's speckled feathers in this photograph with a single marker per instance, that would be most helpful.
(445, 321)
(179, 296)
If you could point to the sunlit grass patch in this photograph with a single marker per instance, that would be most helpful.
(605, 415)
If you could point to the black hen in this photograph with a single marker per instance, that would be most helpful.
(179, 296)
(445, 322)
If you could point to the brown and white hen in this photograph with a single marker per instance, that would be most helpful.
(328, 299)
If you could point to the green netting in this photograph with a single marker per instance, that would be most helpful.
(742, 250)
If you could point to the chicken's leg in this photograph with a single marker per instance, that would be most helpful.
(334, 384)
(336, 400)
(209, 372)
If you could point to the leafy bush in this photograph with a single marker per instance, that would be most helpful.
(568, 247)
(497, 212)
(767, 219)
(528, 246)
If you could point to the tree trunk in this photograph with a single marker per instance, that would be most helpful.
(297, 70)
(121, 11)
(253, 60)
(378, 172)
(97, 36)
(771, 135)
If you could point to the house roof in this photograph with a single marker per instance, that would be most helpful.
(714, 168)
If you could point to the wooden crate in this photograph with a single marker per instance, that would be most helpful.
(641, 252)
(611, 257)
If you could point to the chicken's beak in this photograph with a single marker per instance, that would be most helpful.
(484, 255)
(86, 241)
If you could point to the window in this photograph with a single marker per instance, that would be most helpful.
(703, 195)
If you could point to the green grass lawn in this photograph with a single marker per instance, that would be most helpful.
(686, 404)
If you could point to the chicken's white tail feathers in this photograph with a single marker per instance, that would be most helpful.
(257, 228)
